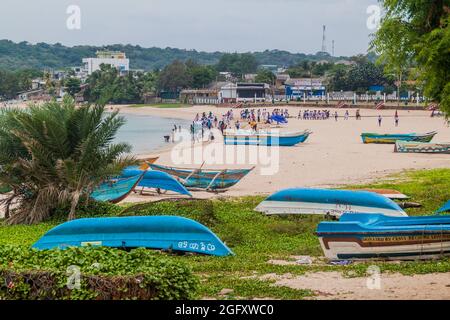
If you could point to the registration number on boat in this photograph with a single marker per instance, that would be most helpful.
(201, 246)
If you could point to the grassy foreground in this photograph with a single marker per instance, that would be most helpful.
(256, 239)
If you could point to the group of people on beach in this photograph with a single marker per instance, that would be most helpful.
(262, 115)
(204, 122)
(314, 114)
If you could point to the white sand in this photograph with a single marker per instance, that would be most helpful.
(391, 286)
(333, 155)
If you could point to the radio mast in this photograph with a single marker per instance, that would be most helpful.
(324, 48)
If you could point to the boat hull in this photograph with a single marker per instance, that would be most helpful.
(328, 202)
(378, 236)
(153, 232)
(205, 179)
(389, 193)
(392, 138)
(266, 139)
(422, 147)
(157, 180)
(116, 191)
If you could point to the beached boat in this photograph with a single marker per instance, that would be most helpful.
(156, 179)
(389, 193)
(116, 190)
(421, 147)
(205, 178)
(154, 232)
(146, 162)
(328, 202)
(265, 138)
(377, 236)
(392, 138)
(444, 208)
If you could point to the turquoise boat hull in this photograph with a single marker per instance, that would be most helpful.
(266, 139)
(116, 190)
(156, 179)
(153, 232)
(328, 202)
(205, 179)
(392, 138)
(444, 208)
(377, 236)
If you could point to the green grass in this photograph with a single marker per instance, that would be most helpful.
(256, 238)
(161, 105)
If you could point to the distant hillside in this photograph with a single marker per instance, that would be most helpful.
(23, 55)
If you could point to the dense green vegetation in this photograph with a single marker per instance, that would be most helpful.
(44, 56)
(256, 238)
(359, 78)
(12, 82)
(107, 86)
(416, 33)
(106, 274)
(54, 155)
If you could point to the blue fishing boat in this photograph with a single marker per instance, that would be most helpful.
(156, 179)
(422, 147)
(207, 179)
(154, 232)
(377, 236)
(444, 208)
(392, 138)
(328, 202)
(116, 190)
(265, 138)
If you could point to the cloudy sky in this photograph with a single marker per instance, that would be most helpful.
(208, 25)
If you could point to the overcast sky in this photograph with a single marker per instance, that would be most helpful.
(207, 25)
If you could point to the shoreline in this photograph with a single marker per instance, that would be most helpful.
(333, 156)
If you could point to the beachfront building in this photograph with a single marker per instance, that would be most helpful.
(298, 88)
(200, 96)
(112, 58)
(243, 92)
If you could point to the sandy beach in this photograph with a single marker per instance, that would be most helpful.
(333, 155)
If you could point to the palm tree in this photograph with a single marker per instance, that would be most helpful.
(55, 155)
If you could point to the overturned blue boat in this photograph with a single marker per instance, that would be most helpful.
(116, 190)
(328, 202)
(156, 179)
(444, 208)
(377, 236)
(155, 232)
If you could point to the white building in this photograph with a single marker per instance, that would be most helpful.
(113, 58)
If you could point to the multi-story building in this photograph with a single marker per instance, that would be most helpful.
(112, 58)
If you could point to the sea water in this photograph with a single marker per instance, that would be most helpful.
(146, 133)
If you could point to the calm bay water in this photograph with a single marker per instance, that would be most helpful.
(146, 133)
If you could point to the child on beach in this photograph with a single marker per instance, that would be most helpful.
(379, 120)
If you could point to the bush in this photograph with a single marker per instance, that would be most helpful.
(90, 209)
(106, 273)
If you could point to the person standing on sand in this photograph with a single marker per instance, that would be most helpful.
(358, 115)
(379, 120)
(335, 116)
(346, 115)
